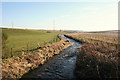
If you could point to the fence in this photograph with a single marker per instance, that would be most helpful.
(28, 49)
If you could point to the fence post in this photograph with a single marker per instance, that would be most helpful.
(38, 45)
(27, 47)
(44, 42)
(11, 53)
(56, 39)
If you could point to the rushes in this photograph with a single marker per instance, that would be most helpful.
(100, 65)
(97, 58)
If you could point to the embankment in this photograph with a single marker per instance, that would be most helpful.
(77, 40)
(96, 60)
(14, 68)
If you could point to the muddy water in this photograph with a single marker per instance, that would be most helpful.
(60, 66)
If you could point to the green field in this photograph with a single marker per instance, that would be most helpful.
(20, 39)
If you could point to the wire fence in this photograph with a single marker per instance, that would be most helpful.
(29, 49)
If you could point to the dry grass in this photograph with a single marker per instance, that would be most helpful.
(98, 57)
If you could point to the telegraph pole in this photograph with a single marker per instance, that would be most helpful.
(54, 24)
(12, 24)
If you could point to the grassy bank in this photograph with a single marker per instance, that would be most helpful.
(25, 40)
(98, 57)
(14, 68)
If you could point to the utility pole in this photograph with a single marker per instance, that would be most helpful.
(54, 24)
(12, 24)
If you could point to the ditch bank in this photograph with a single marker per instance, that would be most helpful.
(96, 61)
(14, 68)
(77, 40)
(59, 67)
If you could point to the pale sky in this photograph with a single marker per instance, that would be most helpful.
(87, 16)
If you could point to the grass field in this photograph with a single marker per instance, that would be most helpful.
(20, 39)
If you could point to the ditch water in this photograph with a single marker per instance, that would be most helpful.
(60, 66)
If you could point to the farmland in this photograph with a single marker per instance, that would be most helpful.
(23, 40)
(98, 57)
(103, 37)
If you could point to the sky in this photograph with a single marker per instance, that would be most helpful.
(85, 16)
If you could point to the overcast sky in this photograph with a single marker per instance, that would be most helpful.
(87, 16)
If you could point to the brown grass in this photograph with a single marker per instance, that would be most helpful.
(97, 58)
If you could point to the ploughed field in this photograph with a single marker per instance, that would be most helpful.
(98, 57)
(25, 40)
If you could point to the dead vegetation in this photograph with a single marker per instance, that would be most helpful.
(98, 57)
(17, 66)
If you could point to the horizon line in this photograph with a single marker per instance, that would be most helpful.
(53, 29)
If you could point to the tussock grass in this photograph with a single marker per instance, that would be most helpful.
(98, 57)
(92, 63)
